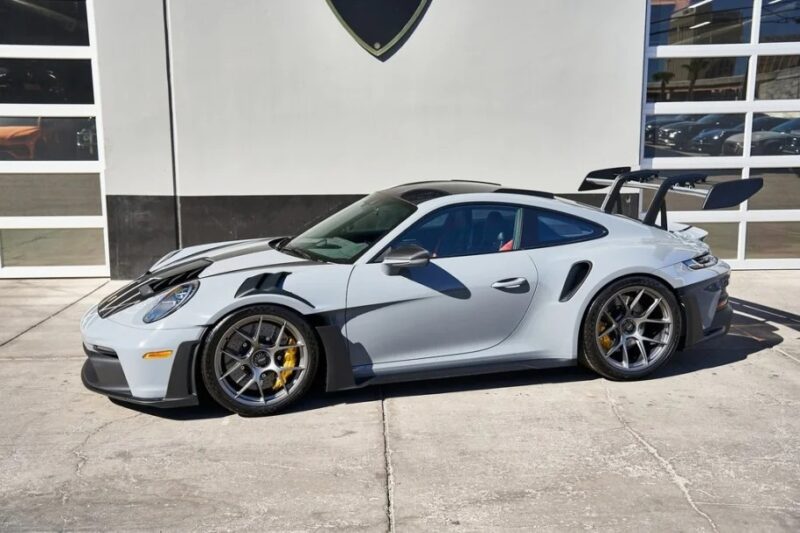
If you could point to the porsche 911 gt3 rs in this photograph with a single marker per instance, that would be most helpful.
(420, 281)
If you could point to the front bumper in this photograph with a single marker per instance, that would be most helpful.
(102, 373)
(706, 310)
(115, 365)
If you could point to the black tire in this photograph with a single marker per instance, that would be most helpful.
(220, 388)
(634, 329)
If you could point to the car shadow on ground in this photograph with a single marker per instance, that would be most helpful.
(753, 329)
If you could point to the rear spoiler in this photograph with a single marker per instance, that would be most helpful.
(717, 196)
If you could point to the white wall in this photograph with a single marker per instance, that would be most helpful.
(275, 97)
(133, 87)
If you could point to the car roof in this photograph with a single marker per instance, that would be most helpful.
(422, 191)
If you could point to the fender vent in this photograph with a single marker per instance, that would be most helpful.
(575, 278)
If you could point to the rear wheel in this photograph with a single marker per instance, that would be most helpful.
(260, 360)
(632, 327)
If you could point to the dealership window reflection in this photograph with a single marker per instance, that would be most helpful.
(772, 240)
(778, 78)
(696, 79)
(780, 21)
(43, 22)
(781, 139)
(781, 189)
(48, 138)
(700, 22)
(689, 135)
(46, 81)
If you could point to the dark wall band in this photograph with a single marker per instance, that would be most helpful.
(141, 229)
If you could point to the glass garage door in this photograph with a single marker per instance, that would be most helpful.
(52, 208)
(722, 96)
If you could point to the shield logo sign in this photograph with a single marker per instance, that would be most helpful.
(381, 27)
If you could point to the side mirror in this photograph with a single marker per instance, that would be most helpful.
(407, 256)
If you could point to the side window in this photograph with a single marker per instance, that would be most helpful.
(465, 230)
(548, 228)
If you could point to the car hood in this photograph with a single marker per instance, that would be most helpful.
(710, 134)
(230, 256)
(678, 126)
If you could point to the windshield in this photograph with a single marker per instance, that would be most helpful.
(787, 126)
(709, 119)
(344, 236)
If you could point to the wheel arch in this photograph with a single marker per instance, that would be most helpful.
(334, 358)
(600, 288)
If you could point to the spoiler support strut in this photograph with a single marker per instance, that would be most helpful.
(717, 196)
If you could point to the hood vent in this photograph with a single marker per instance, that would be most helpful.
(153, 283)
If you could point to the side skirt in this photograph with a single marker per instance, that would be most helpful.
(366, 375)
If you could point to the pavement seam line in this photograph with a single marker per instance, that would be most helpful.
(793, 358)
(387, 463)
(680, 481)
(21, 333)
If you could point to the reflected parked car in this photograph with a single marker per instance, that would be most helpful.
(710, 141)
(770, 142)
(654, 123)
(680, 134)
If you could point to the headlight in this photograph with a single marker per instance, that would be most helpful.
(701, 261)
(171, 301)
(672, 134)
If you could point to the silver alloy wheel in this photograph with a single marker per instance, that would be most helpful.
(252, 362)
(634, 328)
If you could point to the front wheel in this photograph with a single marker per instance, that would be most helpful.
(259, 360)
(632, 327)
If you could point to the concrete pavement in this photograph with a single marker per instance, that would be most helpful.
(711, 443)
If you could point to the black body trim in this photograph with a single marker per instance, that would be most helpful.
(691, 297)
(365, 376)
(339, 373)
(269, 283)
(102, 373)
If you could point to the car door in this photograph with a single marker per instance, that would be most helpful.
(470, 296)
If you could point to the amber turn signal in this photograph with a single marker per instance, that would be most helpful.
(163, 354)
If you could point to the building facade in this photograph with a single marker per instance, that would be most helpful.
(131, 127)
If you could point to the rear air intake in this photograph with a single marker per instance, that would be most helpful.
(575, 278)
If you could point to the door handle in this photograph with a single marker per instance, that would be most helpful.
(512, 283)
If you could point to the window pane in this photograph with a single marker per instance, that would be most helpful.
(778, 78)
(52, 247)
(720, 21)
(682, 202)
(772, 240)
(549, 228)
(464, 230)
(48, 139)
(46, 81)
(50, 195)
(780, 21)
(779, 139)
(49, 22)
(722, 238)
(696, 79)
(781, 189)
(690, 135)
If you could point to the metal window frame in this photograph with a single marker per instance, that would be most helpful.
(60, 167)
(752, 50)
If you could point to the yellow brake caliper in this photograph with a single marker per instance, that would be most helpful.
(605, 341)
(289, 361)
